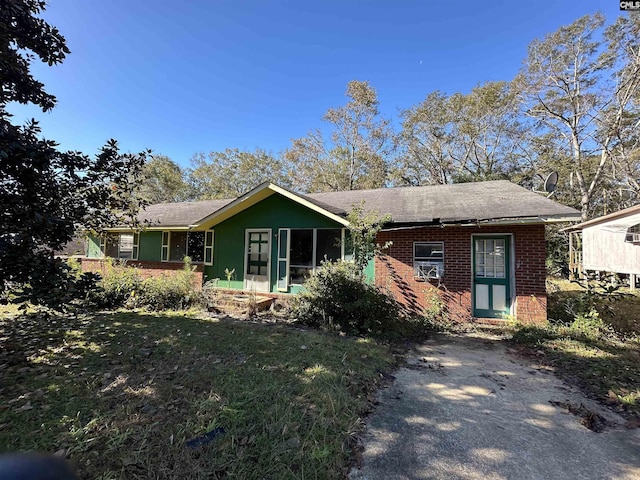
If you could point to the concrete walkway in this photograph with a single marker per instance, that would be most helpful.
(463, 408)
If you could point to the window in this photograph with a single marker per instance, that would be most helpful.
(428, 259)
(208, 247)
(125, 246)
(300, 251)
(195, 246)
(328, 244)
(120, 245)
(300, 256)
(177, 245)
(633, 234)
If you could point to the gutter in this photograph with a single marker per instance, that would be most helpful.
(479, 223)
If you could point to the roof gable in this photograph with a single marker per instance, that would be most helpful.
(257, 195)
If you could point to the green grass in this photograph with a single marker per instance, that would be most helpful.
(601, 355)
(122, 393)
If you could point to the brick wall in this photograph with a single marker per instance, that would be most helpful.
(145, 269)
(394, 271)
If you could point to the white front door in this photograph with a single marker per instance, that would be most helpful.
(257, 265)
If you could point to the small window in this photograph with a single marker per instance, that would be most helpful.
(120, 245)
(208, 247)
(125, 246)
(633, 235)
(165, 247)
(428, 259)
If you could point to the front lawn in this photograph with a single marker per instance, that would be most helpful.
(121, 394)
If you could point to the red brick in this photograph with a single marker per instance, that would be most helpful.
(394, 270)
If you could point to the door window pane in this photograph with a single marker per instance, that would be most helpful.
(490, 258)
(258, 253)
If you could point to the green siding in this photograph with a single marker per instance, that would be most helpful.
(273, 212)
(150, 246)
(369, 271)
(93, 247)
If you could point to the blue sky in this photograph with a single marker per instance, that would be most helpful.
(181, 77)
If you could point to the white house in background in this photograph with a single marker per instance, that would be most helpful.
(610, 243)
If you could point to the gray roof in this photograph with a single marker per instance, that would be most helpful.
(180, 214)
(460, 202)
(457, 203)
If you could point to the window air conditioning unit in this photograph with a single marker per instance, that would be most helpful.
(428, 270)
(632, 238)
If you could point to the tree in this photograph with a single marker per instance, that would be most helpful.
(164, 181)
(621, 119)
(232, 173)
(425, 141)
(357, 155)
(456, 138)
(581, 91)
(46, 194)
(363, 230)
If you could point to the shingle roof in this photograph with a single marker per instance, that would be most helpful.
(457, 203)
(460, 202)
(179, 214)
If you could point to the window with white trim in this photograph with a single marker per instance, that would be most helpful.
(179, 244)
(120, 245)
(302, 250)
(208, 247)
(428, 259)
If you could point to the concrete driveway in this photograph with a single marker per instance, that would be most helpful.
(464, 408)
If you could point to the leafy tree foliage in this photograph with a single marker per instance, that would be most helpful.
(363, 229)
(233, 172)
(164, 181)
(357, 155)
(461, 138)
(581, 91)
(47, 194)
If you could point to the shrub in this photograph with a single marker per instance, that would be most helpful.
(170, 292)
(590, 325)
(338, 297)
(122, 286)
(118, 283)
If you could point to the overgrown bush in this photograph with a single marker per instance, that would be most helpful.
(598, 295)
(337, 297)
(173, 292)
(590, 325)
(123, 287)
(117, 285)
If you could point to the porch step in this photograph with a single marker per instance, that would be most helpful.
(241, 303)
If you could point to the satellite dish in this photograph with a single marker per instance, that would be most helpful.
(550, 182)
